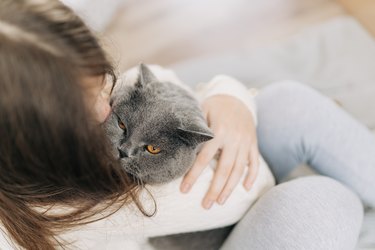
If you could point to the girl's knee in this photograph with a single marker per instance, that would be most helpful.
(330, 193)
(325, 206)
(316, 212)
(312, 212)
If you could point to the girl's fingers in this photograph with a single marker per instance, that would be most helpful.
(253, 168)
(235, 176)
(204, 157)
(222, 173)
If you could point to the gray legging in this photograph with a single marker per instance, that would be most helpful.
(298, 125)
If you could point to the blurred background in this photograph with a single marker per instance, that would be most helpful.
(169, 31)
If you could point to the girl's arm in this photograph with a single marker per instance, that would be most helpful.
(230, 111)
(226, 85)
(176, 212)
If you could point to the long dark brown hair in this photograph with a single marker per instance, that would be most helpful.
(49, 151)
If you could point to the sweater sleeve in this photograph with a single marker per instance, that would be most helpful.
(175, 213)
(226, 85)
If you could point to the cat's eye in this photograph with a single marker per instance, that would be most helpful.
(121, 125)
(153, 149)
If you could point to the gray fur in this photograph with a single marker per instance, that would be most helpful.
(156, 113)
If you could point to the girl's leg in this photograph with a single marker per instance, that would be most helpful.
(313, 212)
(298, 125)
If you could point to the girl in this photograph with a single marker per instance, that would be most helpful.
(60, 186)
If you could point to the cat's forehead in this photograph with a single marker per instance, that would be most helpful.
(158, 129)
(156, 104)
(153, 96)
(147, 112)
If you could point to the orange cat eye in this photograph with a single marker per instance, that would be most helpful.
(121, 125)
(152, 149)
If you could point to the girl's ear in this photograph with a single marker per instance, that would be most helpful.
(145, 76)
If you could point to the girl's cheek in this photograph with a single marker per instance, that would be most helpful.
(102, 108)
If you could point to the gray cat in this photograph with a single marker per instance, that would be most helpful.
(155, 128)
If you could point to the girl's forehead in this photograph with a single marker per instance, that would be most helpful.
(92, 82)
(94, 85)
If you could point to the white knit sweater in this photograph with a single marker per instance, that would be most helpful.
(176, 212)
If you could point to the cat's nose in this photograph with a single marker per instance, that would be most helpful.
(123, 153)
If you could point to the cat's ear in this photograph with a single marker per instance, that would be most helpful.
(145, 76)
(195, 135)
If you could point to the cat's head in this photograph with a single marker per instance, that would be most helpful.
(155, 128)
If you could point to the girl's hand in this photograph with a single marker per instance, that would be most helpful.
(235, 139)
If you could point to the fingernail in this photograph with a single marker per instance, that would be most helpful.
(222, 199)
(208, 204)
(185, 187)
